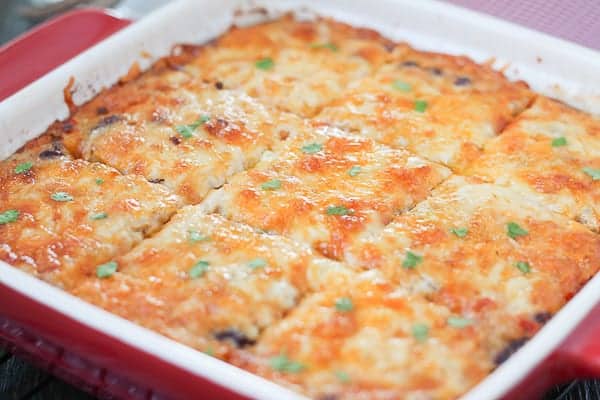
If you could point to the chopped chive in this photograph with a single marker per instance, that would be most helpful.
(401, 86)
(459, 322)
(198, 269)
(196, 237)
(355, 170)
(312, 148)
(329, 46)
(282, 363)
(459, 232)
(203, 119)
(411, 260)
(344, 304)
(23, 167)
(593, 172)
(338, 210)
(257, 263)
(560, 141)
(265, 63)
(513, 230)
(273, 184)
(61, 196)
(420, 332)
(209, 351)
(100, 215)
(9, 216)
(187, 131)
(106, 270)
(99, 181)
(523, 266)
(420, 106)
(342, 376)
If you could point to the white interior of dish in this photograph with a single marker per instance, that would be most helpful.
(551, 66)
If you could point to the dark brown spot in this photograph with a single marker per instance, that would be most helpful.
(390, 47)
(157, 180)
(219, 85)
(54, 152)
(106, 121)
(329, 396)
(542, 317)
(436, 71)
(410, 63)
(101, 110)
(510, 349)
(67, 126)
(462, 81)
(175, 140)
(234, 336)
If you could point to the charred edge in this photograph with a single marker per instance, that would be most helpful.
(106, 121)
(329, 396)
(462, 81)
(510, 349)
(436, 71)
(54, 152)
(157, 180)
(238, 338)
(67, 126)
(409, 63)
(542, 317)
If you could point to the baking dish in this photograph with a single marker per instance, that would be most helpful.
(141, 356)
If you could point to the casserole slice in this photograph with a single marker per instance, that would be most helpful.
(326, 189)
(62, 218)
(551, 153)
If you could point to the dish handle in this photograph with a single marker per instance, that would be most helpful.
(37, 52)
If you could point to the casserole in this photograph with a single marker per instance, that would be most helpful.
(19, 124)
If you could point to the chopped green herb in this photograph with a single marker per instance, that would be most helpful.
(23, 167)
(100, 215)
(329, 46)
(523, 266)
(338, 210)
(420, 332)
(257, 263)
(593, 172)
(355, 170)
(99, 181)
(513, 230)
(61, 196)
(412, 260)
(312, 148)
(196, 237)
(560, 141)
(273, 184)
(106, 270)
(9, 216)
(459, 322)
(342, 376)
(344, 304)
(459, 232)
(198, 269)
(209, 351)
(265, 63)
(401, 86)
(282, 363)
(187, 131)
(420, 105)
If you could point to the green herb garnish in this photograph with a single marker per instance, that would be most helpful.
(9, 216)
(338, 210)
(265, 63)
(411, 260)
(420, 106)
(282, 363)
(23, 167)
(329, 46)
(99, 181)
(342, 376)
(273, 184)
(523, 266)
(61, 196)
(106, 270)
(344, 304)
(459, 232)
(593, 172)
(420, 332)
(401, 86)
(560, 141)
(459, 322)
(513, 230)
(196, 237)
(355, 170)
(257, 263)
(100, 215)
(187, 131)
(198, 269)
(312, 148)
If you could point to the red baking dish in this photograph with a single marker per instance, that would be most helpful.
(108, 355)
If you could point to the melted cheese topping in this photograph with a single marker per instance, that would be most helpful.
(330, 189)
(544, 155)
